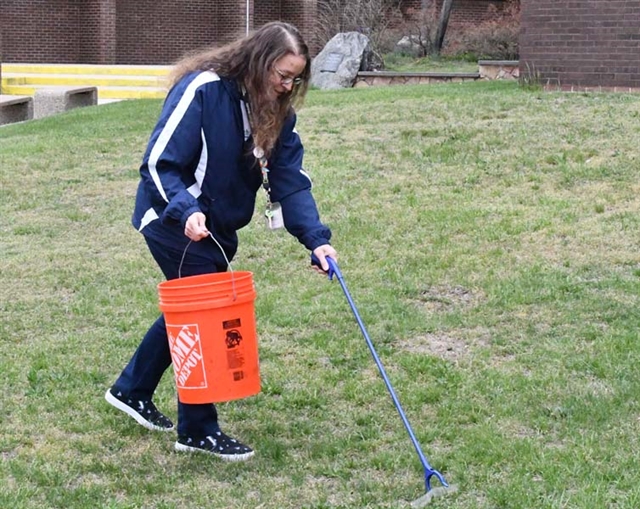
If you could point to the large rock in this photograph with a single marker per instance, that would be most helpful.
(337, 65)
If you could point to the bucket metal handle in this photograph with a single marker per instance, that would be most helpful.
(233, 279)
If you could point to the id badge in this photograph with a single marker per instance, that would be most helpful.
(274, 218)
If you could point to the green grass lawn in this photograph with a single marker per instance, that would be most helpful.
(402, 63)
(489, 237)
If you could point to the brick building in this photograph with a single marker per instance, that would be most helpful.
(154, 31)
(588, 43)
(134, 32)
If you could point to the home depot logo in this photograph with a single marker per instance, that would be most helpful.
(186, 355)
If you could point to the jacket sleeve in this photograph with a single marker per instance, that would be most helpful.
(291, 186)
(168, 168)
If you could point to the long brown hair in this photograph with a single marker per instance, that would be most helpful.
(250, 62)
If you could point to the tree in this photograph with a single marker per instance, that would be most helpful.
(443, 23)
(427, 26)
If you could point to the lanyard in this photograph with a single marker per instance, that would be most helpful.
(264, 169)
(259, 154)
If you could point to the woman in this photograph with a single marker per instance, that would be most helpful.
(225, 130)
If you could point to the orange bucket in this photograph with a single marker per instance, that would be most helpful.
(211, 328)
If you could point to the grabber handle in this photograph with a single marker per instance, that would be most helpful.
(333, 266)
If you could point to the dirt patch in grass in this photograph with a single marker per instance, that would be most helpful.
(446, 297)
(449, 346)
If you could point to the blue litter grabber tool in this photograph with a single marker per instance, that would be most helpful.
(429, 472)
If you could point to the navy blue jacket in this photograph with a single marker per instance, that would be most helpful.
(199, 159)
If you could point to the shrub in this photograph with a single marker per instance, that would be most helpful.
(496, 38)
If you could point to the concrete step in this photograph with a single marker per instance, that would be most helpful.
(104, 92)
(114, 82)
(97, 80)
(135, 70)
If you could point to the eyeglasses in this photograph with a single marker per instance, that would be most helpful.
(287, 80)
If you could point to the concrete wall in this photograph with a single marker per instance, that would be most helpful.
(587, 43)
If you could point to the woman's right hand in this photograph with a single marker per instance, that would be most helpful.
(195, 228)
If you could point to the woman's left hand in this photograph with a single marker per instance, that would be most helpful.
(321, 253)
